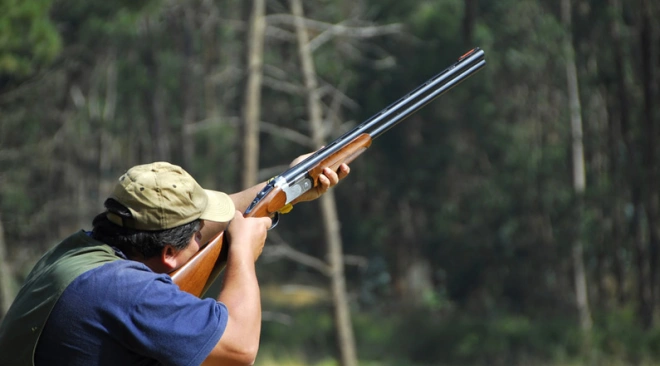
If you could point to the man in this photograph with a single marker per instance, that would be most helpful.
(104, 297)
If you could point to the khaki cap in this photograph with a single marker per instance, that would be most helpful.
(163, 196)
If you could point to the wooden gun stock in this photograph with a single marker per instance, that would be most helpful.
(202, 269)
(197, 275)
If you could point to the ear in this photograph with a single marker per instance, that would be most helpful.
(168, 257)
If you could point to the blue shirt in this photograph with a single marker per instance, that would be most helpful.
(122, 313)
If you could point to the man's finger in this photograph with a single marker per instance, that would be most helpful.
(343, 171)
(332, 176)
(267, 221)
(325, 182)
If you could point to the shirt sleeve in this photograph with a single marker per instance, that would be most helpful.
(169, 325)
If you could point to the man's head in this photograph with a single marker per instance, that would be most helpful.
(162, 196)
(155, 213)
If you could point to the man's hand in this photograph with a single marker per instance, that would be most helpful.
(247, 236)
(328, 179)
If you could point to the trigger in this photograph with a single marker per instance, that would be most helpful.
(275, 219)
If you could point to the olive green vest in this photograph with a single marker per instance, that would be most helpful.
(23, 323)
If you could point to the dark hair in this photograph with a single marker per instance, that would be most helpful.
(140, 242)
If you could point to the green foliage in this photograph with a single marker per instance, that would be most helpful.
(618, 336)
(93, 22)
(15, 199)
(28, 38)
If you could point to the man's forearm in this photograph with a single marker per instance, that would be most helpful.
(243, 198)
(240, 293)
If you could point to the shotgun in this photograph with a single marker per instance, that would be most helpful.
(201, 270)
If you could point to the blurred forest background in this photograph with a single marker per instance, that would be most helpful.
(513, 221)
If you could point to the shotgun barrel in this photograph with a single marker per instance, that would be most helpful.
(303, 176)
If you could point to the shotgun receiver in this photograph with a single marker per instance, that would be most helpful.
(197, 274)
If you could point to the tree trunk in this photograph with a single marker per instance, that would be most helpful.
(414, 272)
(345, 337)
(650, 161)
(252, 108)
(579, 181)
(210, 58)
(104, 158)
(6, 293)
(632, 172)
(641, 264)
(155, 102)
(469, 16)
(187, 81)
(615, 170)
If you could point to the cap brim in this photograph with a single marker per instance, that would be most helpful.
(220, 207)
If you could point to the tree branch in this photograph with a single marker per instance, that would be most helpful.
(289, 134)
(329, 31)
(282, 249)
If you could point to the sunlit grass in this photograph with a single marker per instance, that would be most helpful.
(294, 295)
(292, 360)
(269, 360)
(281, 358)
(299, 330)
(288, 359)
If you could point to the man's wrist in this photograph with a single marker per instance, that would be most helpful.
(242, 251)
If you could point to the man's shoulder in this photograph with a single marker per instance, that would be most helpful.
(123, 281)
(124, 271)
